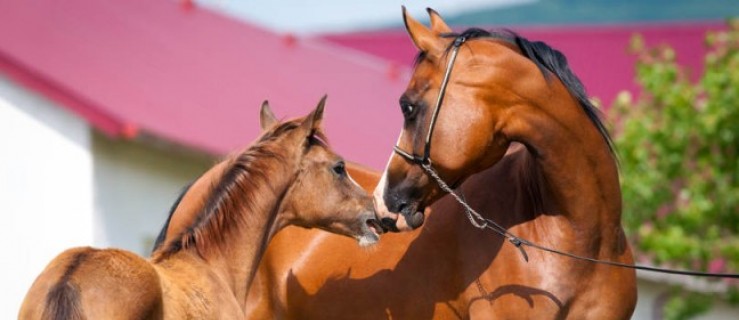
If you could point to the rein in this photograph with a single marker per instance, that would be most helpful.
(482, 223)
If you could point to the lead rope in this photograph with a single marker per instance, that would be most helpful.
(481, 222)
(475, 218)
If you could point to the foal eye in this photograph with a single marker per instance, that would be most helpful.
(339, 168)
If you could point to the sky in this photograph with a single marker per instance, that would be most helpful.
(305, 17)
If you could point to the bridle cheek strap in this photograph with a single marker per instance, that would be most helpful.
(426, 158)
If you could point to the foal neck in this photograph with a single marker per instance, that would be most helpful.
(228, 216)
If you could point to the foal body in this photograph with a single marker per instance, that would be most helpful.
(225, 221)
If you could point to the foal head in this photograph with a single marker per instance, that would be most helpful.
(322, 194)
(289, 176)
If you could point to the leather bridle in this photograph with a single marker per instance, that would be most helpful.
(481, 222)
(425, 160)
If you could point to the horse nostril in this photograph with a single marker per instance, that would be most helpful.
(395, 203)
(399, 206)
(388, 225)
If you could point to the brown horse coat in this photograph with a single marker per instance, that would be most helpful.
(517, 134)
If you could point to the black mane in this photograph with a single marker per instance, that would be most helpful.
(549, 61)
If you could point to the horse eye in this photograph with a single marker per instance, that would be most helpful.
(410, 108)
(339, 168)
(407, 109)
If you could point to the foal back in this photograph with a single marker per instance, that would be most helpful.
(87, 283)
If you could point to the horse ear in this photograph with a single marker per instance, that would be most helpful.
(424, 39)
(267, 118)
(438, 26)
(313, 121)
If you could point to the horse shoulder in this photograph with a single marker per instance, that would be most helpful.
(191, 290)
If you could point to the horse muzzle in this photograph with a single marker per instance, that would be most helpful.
(395, 211)
(408, 219)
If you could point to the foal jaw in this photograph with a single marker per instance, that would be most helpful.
(368, 240)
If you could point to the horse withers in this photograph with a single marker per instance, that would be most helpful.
(220, 229)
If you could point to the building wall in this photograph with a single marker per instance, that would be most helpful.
(135, 185)
(650, 291)
(45, 188)
(62, 185)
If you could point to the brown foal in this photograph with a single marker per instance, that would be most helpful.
(218, 234)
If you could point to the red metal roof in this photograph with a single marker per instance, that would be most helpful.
(197, 78)
(194, 77)
(597, 54)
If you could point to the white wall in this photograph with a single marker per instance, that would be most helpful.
(63, 186)
(135, 185)
(45, 188)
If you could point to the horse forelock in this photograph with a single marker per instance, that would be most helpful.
(248, 177)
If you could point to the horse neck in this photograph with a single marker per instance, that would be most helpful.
(576, 167)
(251, 221)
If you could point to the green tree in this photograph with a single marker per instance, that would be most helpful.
(679, 155)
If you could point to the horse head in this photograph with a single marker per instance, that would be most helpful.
(457, 124)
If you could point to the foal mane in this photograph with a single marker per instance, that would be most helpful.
(163, 232)
(549, 61)
(247, 177)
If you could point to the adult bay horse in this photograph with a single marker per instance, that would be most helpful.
(517, 134)
(288, 177)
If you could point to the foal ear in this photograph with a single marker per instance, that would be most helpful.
(313, 121)
(267, 118)
(424, 38)
(438, 26)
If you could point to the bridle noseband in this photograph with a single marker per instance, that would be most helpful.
(425, 160)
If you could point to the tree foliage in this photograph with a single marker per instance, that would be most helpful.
(679, 154)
